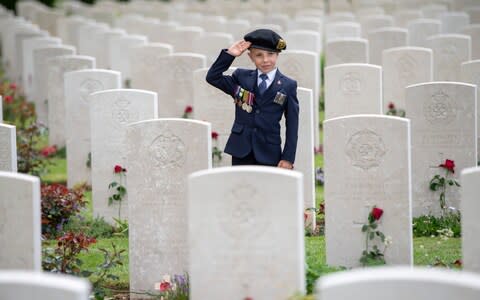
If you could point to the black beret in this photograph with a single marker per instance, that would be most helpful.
(266, 39)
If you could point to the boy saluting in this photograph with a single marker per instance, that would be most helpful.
(261, 96)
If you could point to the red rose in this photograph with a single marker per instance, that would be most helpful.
(48, 151)
(391, 105)
(119, 169)
(188, 109)
(164, 286)
(305, 217)
(449, 165)
(214, 135)
(8, 99)
(248, 298)
(13, 86)
(458, 263)
(377, 213)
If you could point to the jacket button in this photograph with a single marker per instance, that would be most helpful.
(255, 129)
(257, 111)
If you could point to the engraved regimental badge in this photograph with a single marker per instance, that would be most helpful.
(243, 98)
(280, 98)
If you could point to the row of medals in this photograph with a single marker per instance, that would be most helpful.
(246, 98)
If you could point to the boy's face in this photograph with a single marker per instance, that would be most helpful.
(264, 60)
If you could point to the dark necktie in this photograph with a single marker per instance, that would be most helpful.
(262, 87)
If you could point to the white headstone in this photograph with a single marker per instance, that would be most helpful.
(40, 79)
(399, 283)
(209, 43)
(19, 39)
(342, 30)
(303, 66)
(449, 51)
(175, 87)
(168, 150)
(305, 156)
(57, 67)
(183, 37)
(119, 56)
(214, 106)
(343, 51)
(231, 230)
(145, 68)
(453, 22)
(110, 112)
(474, 13)
(469, 206)
(375, 22)
(367, 164)
(474, 32)
(102, 46)
(402, 17)
(307, 40)
(78, 86)
(353, 89)
(22, 285)
(8, 147)
(28, 46)
(433, 10)
(471, 74)
(443, 117)
(237, 28)
(419, 30)
(47, 20)
(402, 67)
(20, 224)
(385, 38)
(86, 39)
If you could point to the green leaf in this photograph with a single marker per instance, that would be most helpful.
(374, 226)
(364, 228)
(112, 185)
(372, 235)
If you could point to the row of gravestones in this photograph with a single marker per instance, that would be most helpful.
(75, 117)
(231, 226)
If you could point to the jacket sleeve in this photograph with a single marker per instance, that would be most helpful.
(215, 75)
(291, 123)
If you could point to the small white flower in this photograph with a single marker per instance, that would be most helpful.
(422, 246)
(388, 241)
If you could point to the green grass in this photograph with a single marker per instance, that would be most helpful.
(56, 171)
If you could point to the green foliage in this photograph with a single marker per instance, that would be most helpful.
(59, 204)
(216, 154)
(103, 272)
(432, 226)
(440, 183)
(122, 227)
(373, 256)
(95, 227)
(29, 159)
(64, 258)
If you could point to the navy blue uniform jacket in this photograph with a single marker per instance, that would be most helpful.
(259, 130)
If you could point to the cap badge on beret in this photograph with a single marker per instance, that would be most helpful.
(281, 44)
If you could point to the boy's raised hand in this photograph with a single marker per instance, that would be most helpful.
(239, 47)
